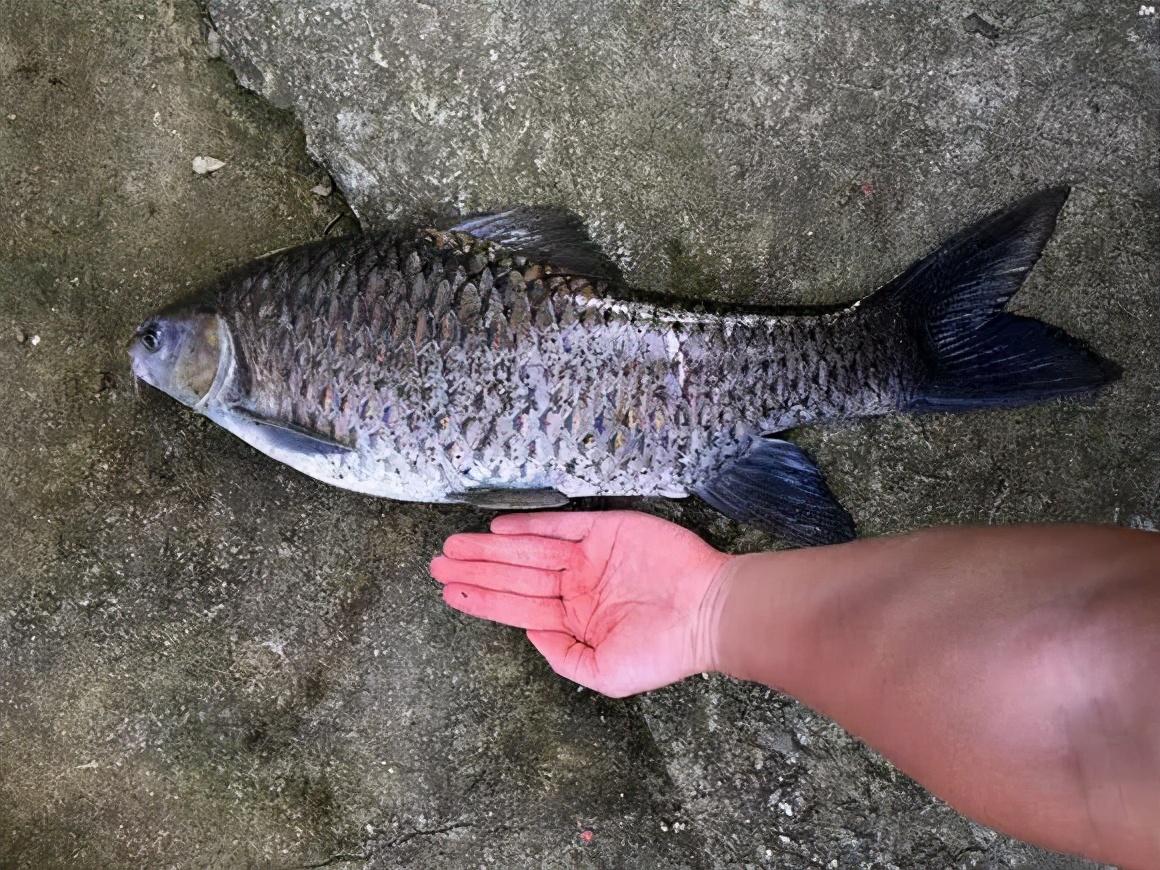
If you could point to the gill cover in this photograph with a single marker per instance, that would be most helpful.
(184, 353)
(197, 365)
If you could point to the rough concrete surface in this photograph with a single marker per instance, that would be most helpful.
(208, 660)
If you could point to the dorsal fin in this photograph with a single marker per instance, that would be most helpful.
(542, 233)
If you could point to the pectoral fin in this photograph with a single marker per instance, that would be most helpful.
(292, 437)
(511, 499)
(776, 487)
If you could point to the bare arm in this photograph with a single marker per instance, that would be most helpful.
(1015, 672)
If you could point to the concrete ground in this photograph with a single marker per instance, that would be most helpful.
(209, 660)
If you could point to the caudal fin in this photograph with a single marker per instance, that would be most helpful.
(971, 354)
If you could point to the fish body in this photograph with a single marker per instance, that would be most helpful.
(501, 362)
(450, 365)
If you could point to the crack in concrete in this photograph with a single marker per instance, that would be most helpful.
(426, 832)
(333, 859)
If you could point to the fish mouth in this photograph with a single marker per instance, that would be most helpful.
(136, 378)
(135, 370)
(133, 358)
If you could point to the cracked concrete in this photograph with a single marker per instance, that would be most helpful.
(208, 660)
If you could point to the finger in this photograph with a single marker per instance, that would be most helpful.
(546, 614)
(492, 575)
(531, 551)
(568, 525)
(568, 657)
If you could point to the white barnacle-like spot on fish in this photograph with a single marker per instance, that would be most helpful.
(677, 355)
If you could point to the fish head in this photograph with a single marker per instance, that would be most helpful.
(180, 351)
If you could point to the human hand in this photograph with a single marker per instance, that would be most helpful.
(618, 601)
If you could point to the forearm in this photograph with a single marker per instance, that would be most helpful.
(1011, 671)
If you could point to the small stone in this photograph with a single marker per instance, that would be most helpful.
(21, 336)
(11, 117)
(206, 165)
(323, 188)
(976, 23)
(213, 44)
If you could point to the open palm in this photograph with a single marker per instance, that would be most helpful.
(617, 601)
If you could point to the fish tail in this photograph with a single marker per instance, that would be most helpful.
(969, 352)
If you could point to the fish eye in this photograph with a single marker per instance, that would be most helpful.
(151, 339)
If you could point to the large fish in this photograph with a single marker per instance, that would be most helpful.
(498, 362)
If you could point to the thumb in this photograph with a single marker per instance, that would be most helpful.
(568, 657)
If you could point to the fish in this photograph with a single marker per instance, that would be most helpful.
(500, 360)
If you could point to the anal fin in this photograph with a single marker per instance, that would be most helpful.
(776, 487)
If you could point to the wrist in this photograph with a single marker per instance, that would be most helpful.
(708, 654)
(753, 617)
